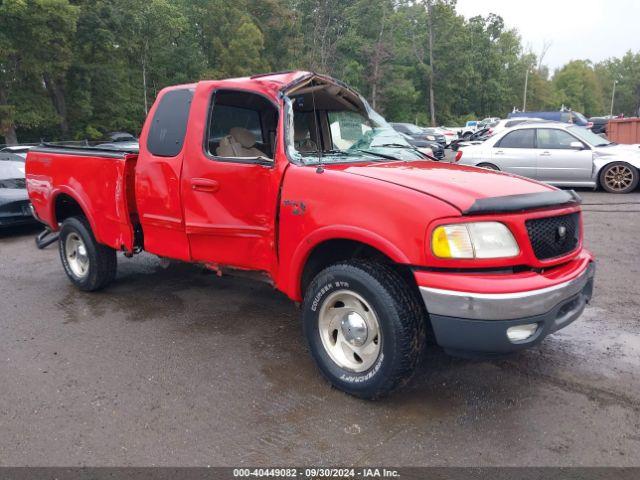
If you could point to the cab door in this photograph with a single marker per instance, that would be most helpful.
(230, 185)
(558, 161)
(514, 153)
(157, 174)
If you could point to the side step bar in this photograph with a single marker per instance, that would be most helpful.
(46, 238)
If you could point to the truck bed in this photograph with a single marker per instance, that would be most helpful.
(100, 181)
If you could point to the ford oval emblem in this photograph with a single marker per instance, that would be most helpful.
(562, 232)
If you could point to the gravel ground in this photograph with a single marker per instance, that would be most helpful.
(175, 366)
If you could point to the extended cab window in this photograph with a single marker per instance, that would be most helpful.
(517, 139)
(242, 125)
(169, 124)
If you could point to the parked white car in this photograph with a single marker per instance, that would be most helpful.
(559, 154)
(511, 122)
(488, 122)
(469, 129)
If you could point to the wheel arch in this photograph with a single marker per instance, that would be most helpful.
(489, 165)
(64, 204)
(601, 163)
(330, 245)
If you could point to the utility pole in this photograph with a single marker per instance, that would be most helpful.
(524, 99)
(613, 96)
(432, 105)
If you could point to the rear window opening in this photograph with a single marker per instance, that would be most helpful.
(242, 125)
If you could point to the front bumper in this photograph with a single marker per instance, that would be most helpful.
(476, 324)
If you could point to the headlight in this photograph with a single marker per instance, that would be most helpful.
(431, 137)
(474, 240)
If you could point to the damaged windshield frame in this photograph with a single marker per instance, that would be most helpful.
(391, 151)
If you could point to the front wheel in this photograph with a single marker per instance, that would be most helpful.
(365, 327)
(88, 264)
(619, 177)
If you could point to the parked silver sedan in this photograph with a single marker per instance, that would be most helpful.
(559, 154)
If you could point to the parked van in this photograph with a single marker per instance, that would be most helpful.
(564, 116)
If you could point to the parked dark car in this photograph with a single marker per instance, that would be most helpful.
(15, 208)
(563, 116)
(418, 133)
(476, 137)
(433, 135)
(600, 124)
(436, 147)
(120, 137)
(121, 146)
(20, 150)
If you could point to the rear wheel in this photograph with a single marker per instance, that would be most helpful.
(619, 177)
(88, 264)
(364, 326)
(488, 166)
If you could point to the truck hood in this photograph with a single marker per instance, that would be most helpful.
(457, 185)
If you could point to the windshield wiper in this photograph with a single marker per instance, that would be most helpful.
(406, 147)
(376, 154)
(394, 145)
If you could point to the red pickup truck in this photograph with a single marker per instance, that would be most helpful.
(292, 176)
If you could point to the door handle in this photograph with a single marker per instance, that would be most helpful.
(545, 154)
(204, 185)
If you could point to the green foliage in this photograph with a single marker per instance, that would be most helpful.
(35, 55)
(243, 56)
(577, 87)
(81, 68)
(626, 72)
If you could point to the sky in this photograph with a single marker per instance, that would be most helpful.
(576, 29)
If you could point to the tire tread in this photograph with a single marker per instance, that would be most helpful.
(633, 185)
(410, 328)
(106, 264)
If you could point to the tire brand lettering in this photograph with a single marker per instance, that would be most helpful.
(364, 378)
(325, 289)
(319, 295)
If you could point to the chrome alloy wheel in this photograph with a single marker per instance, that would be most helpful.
(350, 331)
(76, 254)
(618, 177)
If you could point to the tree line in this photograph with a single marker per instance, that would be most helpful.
(76, 69)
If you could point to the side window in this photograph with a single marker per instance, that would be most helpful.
(241, 125)
(347, 128)
(517, 139)
(553, 139)
(169, 124)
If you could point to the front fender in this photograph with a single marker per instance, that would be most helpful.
(601, 161)
(336, 232)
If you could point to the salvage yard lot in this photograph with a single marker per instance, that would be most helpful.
(175, 366)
